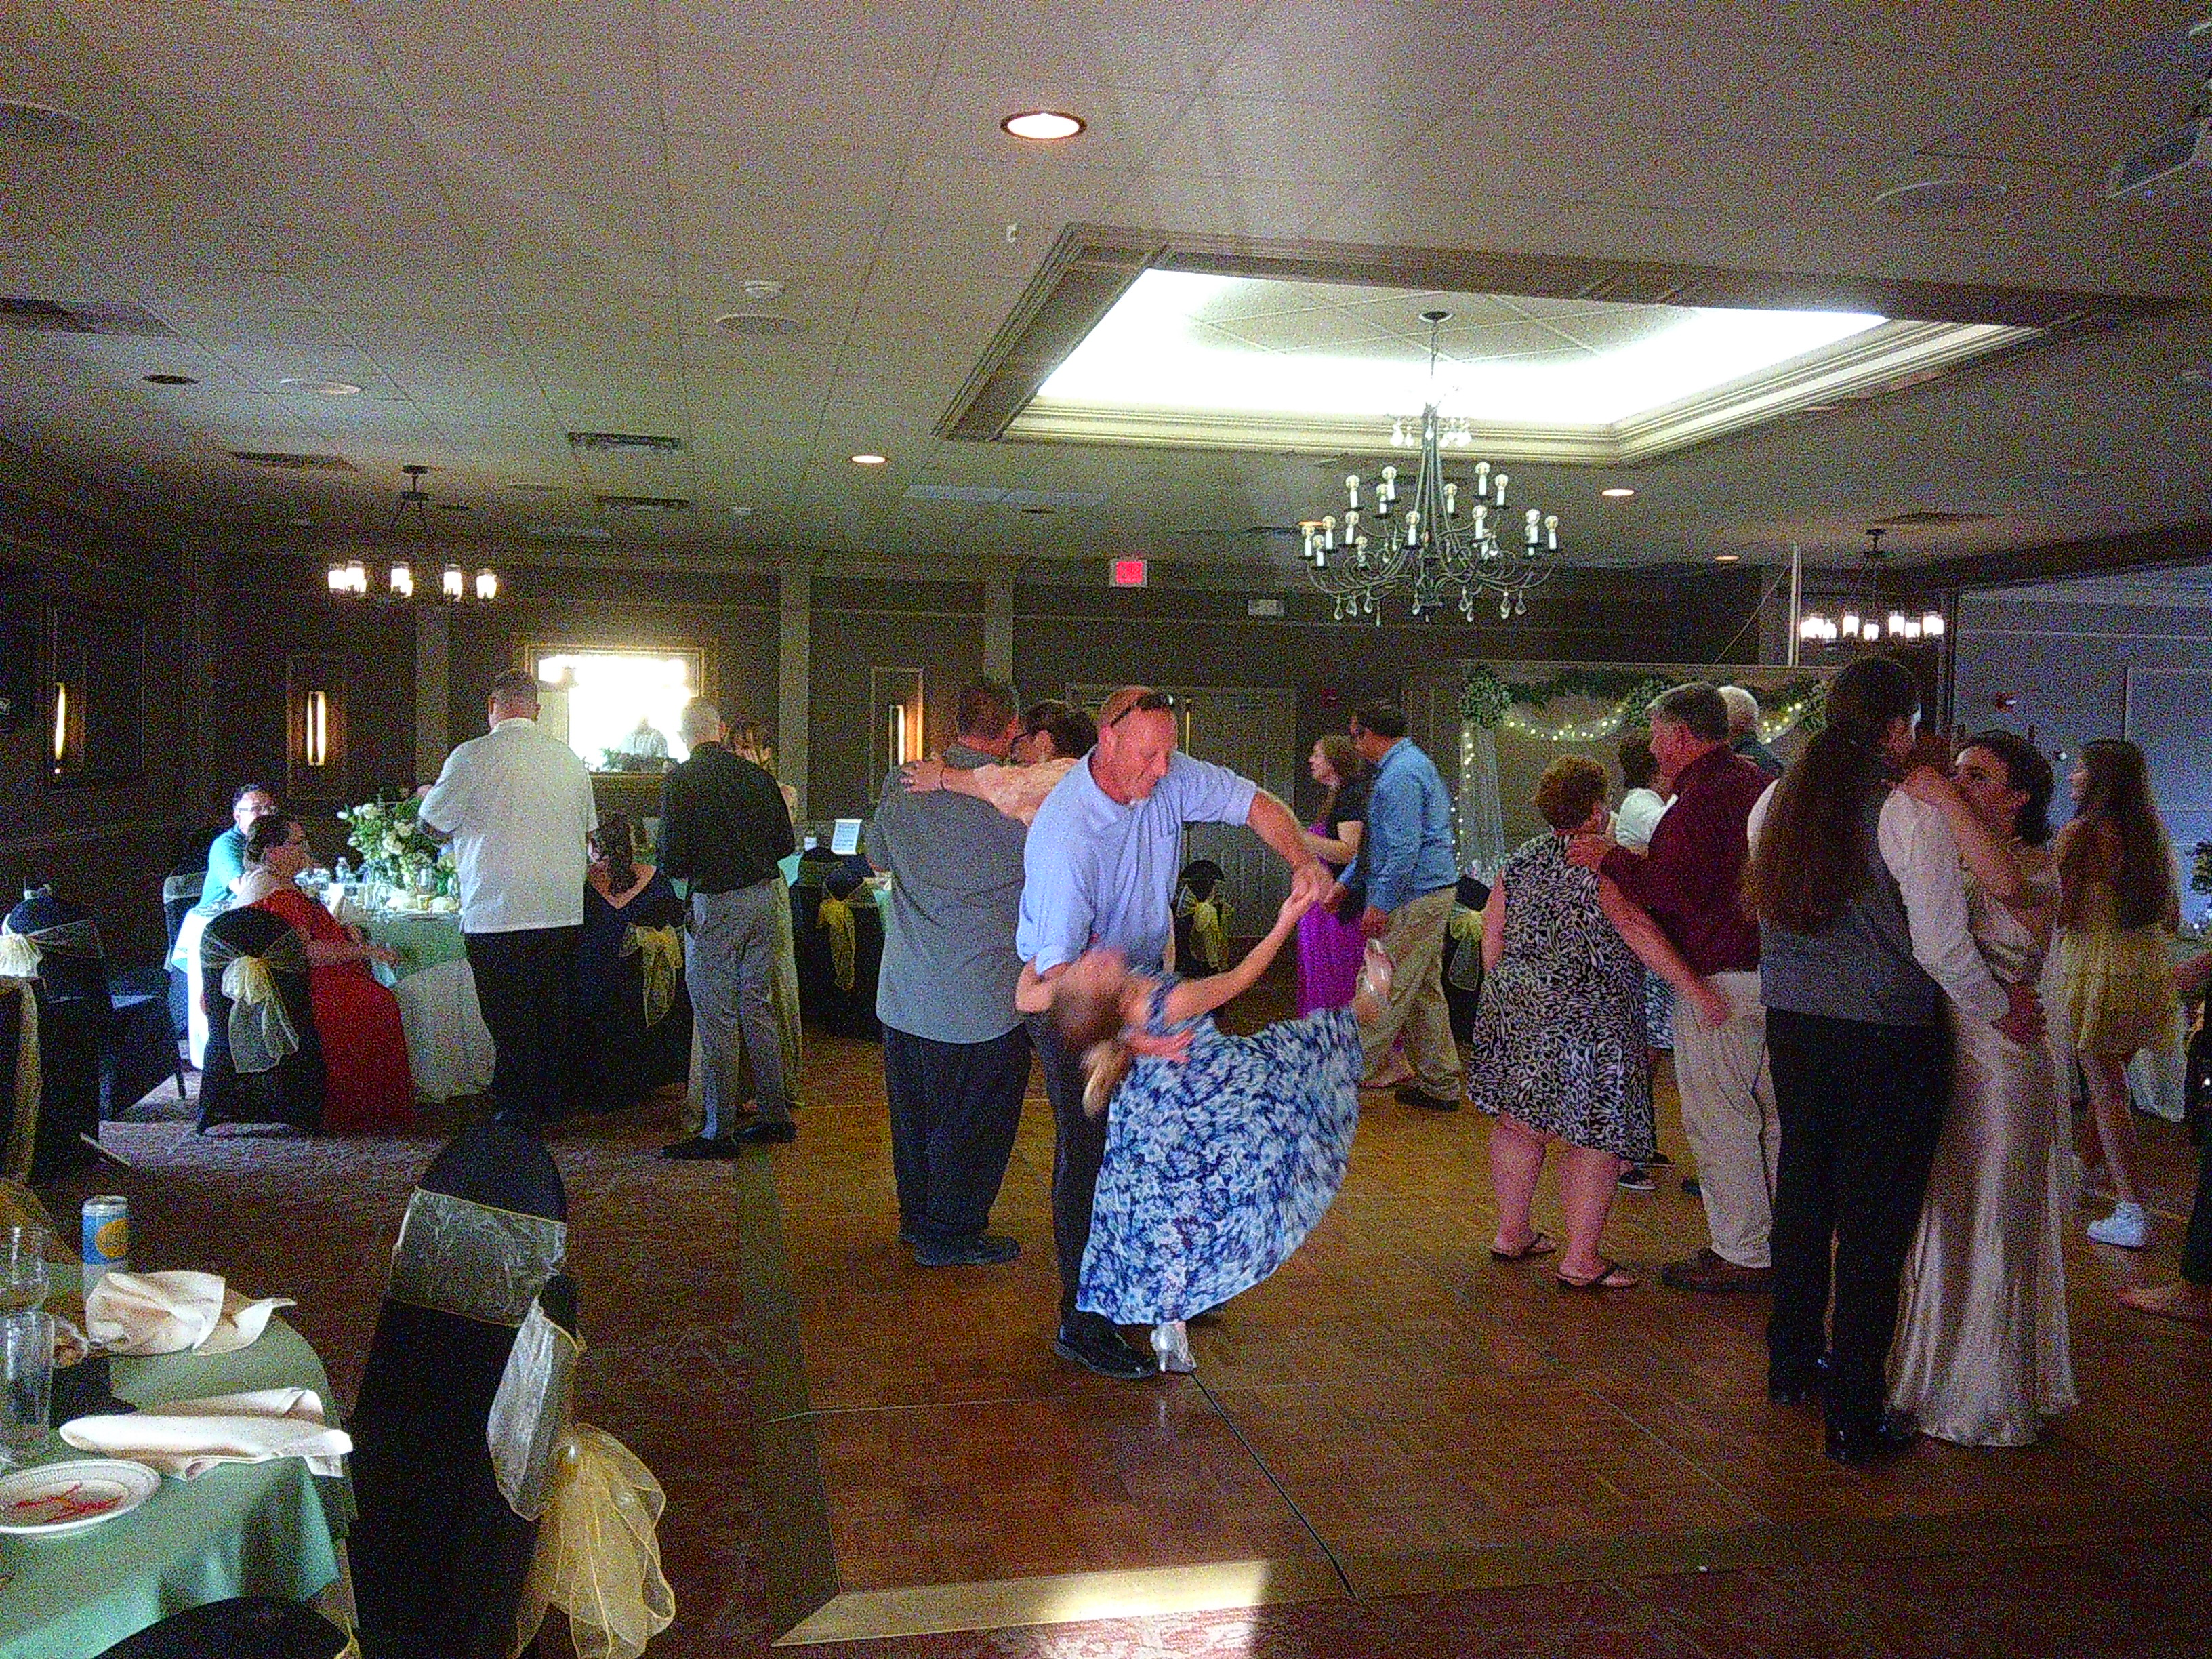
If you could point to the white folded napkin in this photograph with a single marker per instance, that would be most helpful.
(170, 1312)
(187, 1437)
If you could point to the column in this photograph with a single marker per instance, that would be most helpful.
(433, 691)
(795, 616)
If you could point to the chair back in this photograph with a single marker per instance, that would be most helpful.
(438, 1555)
(291, 1092)
(179, 894)
(76, 968)
(244, 1627)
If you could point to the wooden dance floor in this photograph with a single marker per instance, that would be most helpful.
(1393, 1413)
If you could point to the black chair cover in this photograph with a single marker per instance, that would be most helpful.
(439, 1558)
(134, 1044)
(72, 999)
(290, 1093)
(245, 1627)
(180, 891)
(843, 1014)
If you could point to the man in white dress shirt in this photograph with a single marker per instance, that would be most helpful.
(516, 805)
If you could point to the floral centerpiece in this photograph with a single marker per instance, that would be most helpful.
(392, 847)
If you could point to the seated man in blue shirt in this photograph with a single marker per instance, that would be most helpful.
(226, 852)
(1100, 871)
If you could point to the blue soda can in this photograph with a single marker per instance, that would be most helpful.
(107, 1235)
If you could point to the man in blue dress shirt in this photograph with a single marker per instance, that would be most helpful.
(1100, 871)
(1410, 868)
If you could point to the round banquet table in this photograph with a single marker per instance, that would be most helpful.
(240, 1529)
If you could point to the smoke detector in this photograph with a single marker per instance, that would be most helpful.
(760, 287)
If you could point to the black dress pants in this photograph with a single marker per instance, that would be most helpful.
(1078, 1147)
(954, 1109)
(523, 985)
(1861, 1108)
(2197, 1247)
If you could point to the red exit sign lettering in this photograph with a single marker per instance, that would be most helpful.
(1127, 573)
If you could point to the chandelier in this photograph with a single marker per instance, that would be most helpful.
(1865, 624)
(1428, 547)
(348, 578)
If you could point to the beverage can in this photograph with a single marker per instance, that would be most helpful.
(107, 1235)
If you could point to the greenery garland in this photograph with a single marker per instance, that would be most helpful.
(1485, 698)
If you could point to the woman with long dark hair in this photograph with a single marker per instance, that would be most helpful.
(1863, 933)
(1982, 1352)
(1330, 948)
(2116, 897)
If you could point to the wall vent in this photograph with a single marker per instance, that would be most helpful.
(972, 493)
(49, 316)
(644, 503)
(569, 532)
(1928, 515)
(293, 463)
(625, 443)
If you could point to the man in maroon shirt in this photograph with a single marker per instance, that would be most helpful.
(1688, 882)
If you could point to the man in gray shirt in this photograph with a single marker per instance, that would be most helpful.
(956, 1054)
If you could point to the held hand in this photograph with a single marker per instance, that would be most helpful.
(1311, 883)
(1930, 787)
(1374, 923)
(383, 953)
(923, 775)
(1296, 905)
(1714, 1010)
(1587, 852)
(2023, 1021)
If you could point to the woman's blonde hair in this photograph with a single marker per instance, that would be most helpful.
(1088, 1019)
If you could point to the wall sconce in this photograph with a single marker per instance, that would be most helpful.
(61, 725)
(895, 732)
(317, 736)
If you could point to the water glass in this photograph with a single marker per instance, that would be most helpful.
(25, 1278)
(27, 1385)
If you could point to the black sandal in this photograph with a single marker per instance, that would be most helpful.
(1539, 1244)
(1600, 1280)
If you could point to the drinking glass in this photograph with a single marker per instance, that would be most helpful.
(27, 1384)
(25, 1278)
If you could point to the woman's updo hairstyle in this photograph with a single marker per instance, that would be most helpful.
(1568, 792)
(267, 835)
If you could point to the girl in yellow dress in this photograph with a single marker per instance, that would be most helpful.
(2116, 902)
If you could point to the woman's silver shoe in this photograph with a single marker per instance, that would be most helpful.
(1172, 1344)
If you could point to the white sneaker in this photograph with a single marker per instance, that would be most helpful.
(1171, 1342)
(2127, 1226)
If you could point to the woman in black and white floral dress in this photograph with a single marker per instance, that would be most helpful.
(1559, 1039)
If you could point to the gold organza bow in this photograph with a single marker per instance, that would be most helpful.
(660, 951)
(835, 919)
(262, 1034)
(1465, 925)
(597, 1557)
(1209, 933)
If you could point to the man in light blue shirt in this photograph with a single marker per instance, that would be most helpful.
(1100, 871)
(1409, 866)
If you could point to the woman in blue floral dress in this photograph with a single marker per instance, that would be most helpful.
(1219, 1159)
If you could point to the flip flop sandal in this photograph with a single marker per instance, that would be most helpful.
(1539, 1244)
(1600, 1280)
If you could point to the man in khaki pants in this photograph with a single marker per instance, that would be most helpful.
(1688, 883)
(1409, 868)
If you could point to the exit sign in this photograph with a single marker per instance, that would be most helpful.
(1127, 573)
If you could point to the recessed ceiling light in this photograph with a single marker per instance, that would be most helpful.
(741, 512)
(869, 461)
(1037, 511)
(1617, 493)
(172, 379)
(1042, 125)
(302, 524)
(319, 388)
(1726, 558)
(760, 287)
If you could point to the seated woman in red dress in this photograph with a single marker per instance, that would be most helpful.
(364, 1047)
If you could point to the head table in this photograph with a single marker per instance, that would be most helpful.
(240, 1529)
(447, 1045)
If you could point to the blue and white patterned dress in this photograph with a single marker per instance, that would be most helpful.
(1217, 1165)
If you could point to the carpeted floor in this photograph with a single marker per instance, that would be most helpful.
(670, 1367)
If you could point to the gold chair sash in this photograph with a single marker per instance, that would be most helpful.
(19, 952)
(456, 1256)
(262, 1033)
(21, 1142)
(835, 919)
(1209, 931)
(661, 953)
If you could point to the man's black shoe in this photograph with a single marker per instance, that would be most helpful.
(1796, 1384)
(778, 1130)
(1658, 1160)
(1693, 1188)
(986, 1250)
(1864, 1442)
(1091, 1340)
(699, 1146)
(1411, 1094)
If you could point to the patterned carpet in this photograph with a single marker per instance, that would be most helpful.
(668, 1370)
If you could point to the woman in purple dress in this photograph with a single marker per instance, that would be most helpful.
(1329, 947)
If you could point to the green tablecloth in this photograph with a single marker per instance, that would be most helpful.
(423, 941)
(241, 1530)
(447, 1045)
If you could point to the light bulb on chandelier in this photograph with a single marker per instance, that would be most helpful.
(1816, 627)
(348, 578)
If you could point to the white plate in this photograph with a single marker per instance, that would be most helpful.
(49, 1500)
